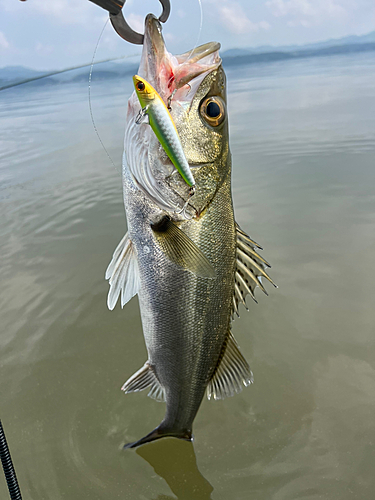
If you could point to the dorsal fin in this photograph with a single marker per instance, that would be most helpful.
(250, 268)
(232, 372)
(123, 273)
(143, 378)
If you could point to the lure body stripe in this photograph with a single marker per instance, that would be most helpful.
(164, 128)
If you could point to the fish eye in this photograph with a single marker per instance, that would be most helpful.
(212, 109)
(140, 86)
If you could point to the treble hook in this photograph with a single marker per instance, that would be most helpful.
(114, 7)
(183, 209)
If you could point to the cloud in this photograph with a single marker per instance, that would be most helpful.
(235, 20)
(307, 12)
(43, 49)
(67, 11)
(4, 44)
(63, 11)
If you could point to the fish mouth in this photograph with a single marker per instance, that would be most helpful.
(167, 73)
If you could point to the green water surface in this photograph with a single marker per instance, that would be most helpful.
(303, 145)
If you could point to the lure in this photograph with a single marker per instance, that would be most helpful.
(164, 128)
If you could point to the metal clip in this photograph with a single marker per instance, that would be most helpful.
(114, 7)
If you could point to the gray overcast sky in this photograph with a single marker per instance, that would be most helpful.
(53, 34)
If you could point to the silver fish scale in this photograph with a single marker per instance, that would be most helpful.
(185, 318)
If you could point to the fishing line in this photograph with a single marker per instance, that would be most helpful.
(200, 28)
(90, 106)
(59, 71)
(92, 66)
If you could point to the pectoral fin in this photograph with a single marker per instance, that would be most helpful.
(180, 249)
(143, 378)
(232, 372)
(250, 268)
(123, 273)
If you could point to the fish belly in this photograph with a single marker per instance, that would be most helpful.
(185, 318)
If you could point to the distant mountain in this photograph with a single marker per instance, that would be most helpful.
(346, 40)
(16, 75)
(12, 76)
(333, 42)
(279, 55)
(10, 73)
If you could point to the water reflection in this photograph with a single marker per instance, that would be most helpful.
(175, 462)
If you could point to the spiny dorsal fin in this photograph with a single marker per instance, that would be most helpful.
(232, 372)
(143, 378)
(250, 269)
(180, 249)
(122, 273)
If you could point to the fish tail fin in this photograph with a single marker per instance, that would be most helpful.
(159, 433)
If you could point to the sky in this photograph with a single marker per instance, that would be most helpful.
(55, 34)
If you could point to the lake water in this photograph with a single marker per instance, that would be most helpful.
(303, 145)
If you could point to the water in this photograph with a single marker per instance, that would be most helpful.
(303, 144)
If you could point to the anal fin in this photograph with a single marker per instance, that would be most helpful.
(232, 372)
(143, 378)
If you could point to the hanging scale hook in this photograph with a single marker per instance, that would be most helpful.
(114, 7)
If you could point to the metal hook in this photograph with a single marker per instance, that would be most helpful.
(183, 211)
(118, 21)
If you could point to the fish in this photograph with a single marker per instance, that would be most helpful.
(190, 271)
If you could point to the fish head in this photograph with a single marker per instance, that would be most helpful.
(193, 86)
